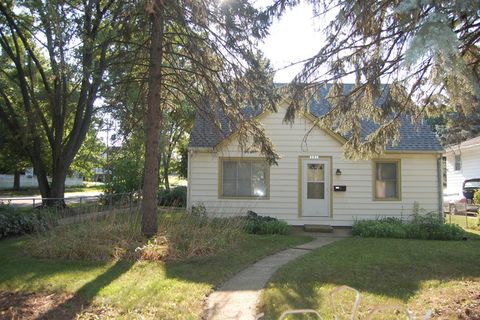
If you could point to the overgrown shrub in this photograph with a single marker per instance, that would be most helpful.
(175, 197)
(189, 236)
(103, 238)
(476, 200)
(256, 224)
(476, 197)
(199, 210)
(117, 236)
(15, 222)
(378, 229)
(428, 227)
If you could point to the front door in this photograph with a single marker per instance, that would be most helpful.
(315, 187)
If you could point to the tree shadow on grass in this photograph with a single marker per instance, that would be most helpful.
(83, 298)
(384, 270)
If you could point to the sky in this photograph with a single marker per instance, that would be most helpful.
(293, 38)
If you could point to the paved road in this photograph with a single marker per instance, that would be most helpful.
(71, 197)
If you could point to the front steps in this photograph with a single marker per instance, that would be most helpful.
(321, 228)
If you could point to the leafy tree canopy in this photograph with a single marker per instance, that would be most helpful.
(11, 159)
(54, 56)
(427, 51)
(210, 62)
(91, 154)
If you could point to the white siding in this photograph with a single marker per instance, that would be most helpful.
(418, 178)
(6, 181)
(470, 168)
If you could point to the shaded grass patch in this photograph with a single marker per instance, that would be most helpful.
(120, 286)
(135, 289)
(385, 271)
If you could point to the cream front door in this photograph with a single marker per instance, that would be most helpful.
(315, 187)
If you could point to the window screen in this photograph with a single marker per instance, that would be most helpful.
(244, 178)
(458, 162)
(387, 180)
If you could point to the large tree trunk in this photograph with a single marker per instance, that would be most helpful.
(16, 180)
(153, 121)
(57, 187)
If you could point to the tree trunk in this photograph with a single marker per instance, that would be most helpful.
(166, 172)
(41, 173)
(57, 188)
(16, 180)
(153, 121)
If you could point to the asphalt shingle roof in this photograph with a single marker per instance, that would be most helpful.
(413, 137)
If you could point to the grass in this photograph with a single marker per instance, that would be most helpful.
(468, 223)
(132, 288)
(36, 192)
(441, 275)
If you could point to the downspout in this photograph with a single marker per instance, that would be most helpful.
(189, 181)
(439, 187)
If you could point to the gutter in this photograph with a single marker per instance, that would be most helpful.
(414, 151)
(440, 187)
(471, 146)
(200, 149)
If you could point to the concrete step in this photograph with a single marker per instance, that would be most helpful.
(318, 228)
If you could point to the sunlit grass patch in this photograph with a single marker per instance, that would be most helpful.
(469, 223)
(131, 289)
(416, 274)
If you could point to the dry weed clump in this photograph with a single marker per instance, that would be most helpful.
(189, 236)
(104, 238)
(118, 236)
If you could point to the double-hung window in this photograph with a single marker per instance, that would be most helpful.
(244, 178)
(458, 162)
(387, 180)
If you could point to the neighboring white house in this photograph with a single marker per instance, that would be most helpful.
(462, 163)
(29, 180)
(313, 183)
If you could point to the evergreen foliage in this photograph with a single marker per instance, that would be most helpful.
(427, 51)
(204, 53)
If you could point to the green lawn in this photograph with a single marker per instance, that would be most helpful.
(441, 275)
(132, 289)
(467, 222)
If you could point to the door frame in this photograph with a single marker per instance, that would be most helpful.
(300, 183)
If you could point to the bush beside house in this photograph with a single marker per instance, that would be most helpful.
(256, 224)
(174, 197)
(427, 227)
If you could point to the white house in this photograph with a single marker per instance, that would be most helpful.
(313, 183)
(462, 163)
(29, 180)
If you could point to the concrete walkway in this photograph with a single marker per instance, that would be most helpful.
(238, 297)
